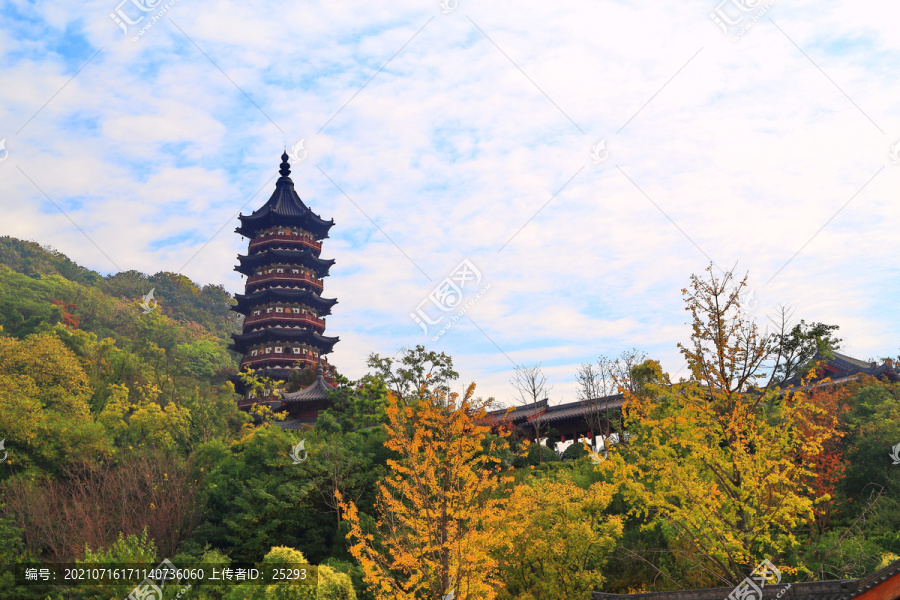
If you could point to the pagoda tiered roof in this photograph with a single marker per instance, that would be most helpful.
(316, 392)
(296, 335)
(284, 208)
(246, 302)
(298, 256)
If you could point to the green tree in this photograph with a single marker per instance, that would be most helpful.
(132, 549)
(418, 372)
(36, 261)
(332, 585)
(722, 466)
(12, 552)
(139, 419)
(874, 425)
(359, 405)
(255, 496)
(203, 358)
(799, 346)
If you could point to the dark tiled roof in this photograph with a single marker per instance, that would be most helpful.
(519, 412)
(282, 334)
(295, 424)
(316, 392)
(817, 590)
(546, 414)
(294, 256)
(284, 207)
(840, 366)
(853, 361)
(844, 364)
(580, 409)
(246, 301)
(839, 589)
(867, 583)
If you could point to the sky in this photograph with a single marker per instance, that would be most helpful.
(566, 166)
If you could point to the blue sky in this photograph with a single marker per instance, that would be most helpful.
(434, 137)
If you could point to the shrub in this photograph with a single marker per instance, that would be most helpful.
(537, 454)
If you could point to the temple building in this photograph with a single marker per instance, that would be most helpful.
(839, 367)
(603, 416)
(283, 310)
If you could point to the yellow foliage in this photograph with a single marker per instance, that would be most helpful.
(21, 413)
(721, 465)
(138, 418)
(558, 539)
(331, 585)
(55, 371)
(44, 413)
(440, 513)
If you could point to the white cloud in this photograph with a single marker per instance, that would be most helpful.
(451, 149)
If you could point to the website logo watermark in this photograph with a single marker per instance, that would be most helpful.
(138, 10)
(152, 586)
(895, 455)
(298, 153)
(5, 452)
(296, 450)
(751, 587)
(894, 154)
(149, 303)
(448, 297)
(4, 153)
(748, 300)
(599, 153)
(597, 458)
(448, 6)
(736, 21)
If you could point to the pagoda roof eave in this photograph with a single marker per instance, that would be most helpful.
(250, 226)
(283, 334)
(284, 207)
(540, 411)
(302, 256)
(316, 392)
(245, 302)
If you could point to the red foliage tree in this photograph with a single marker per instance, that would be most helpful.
(70, 319)
(829, 465)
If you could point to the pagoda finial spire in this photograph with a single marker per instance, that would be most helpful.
(285, 166)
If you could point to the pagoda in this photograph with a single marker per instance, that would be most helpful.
(283, 311)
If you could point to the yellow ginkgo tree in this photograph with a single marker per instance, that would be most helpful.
(558, 537)
(440, 510)
(720, 462)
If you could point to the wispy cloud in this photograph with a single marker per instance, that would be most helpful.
(451, 131)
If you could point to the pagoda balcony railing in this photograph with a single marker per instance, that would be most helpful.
(283, 319)
(283, 360)
(269, 239)
(292, 277)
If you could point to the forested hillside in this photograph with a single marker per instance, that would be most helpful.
(123, 444)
